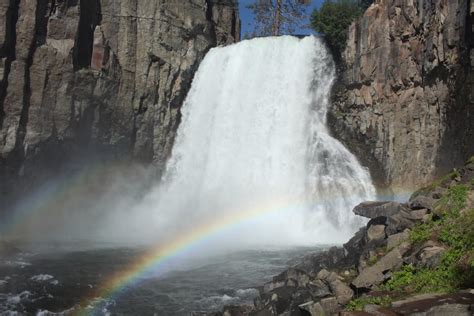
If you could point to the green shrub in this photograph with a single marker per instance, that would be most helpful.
(333, 20)
(422, 232)
(456, 231)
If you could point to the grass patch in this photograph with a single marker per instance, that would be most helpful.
(470, 161)
(359, 303)
(423, 232)
(453, 201)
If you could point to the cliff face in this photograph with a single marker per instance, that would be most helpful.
(82, 79)
(405, 100)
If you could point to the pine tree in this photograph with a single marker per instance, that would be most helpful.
(276, 17)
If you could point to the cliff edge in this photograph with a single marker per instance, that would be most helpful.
(90, 80)
(404, 102)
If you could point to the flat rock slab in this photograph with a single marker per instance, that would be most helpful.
(458, 304)
(375, 274)
(377, 209)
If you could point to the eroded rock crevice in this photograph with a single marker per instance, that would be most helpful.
(89, 18)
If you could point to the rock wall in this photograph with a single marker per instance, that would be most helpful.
(405, 99)
(87, 79)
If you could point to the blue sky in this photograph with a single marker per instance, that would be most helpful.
(247, 17)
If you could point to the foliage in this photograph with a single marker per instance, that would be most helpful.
(333, 20)
(276, 17)
(470, 161)
(453, 201)
(359, 303)
(364, 4)
(456, 231)
(421, 233)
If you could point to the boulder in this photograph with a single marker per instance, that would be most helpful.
(290, 278)
(421, 202)
(318, 289)
(343, 292)
(376, 274)
(337, 287)
(399, 222)
(377, 209)
(427, 255)
(396, 239)
(335, 257)
(314, 308)
(329, 305)
(430, 257)
(419, 214)
(376, 232)
(354, 246)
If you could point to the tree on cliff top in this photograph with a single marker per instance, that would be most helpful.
(333, 20)
(276, 17)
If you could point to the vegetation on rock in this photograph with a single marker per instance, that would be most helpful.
(450, 227)
(359, 303)
(333, 20)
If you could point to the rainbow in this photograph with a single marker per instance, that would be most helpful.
(46, 199)
(155, 257)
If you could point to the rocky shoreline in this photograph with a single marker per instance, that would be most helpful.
(413, 258)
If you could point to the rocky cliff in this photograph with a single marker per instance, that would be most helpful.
(90, 79)
(405, 99)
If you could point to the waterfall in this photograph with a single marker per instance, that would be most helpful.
(253, 136)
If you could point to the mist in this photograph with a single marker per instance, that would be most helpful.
(253, 165)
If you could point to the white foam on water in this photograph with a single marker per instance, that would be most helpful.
(42, 277)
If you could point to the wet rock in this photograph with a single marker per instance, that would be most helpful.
(354, 246)
(332, 258)
(376, 232)
(237, 310)
(289, 278)
(377, 209)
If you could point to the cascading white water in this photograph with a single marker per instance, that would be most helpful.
(253, 136)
